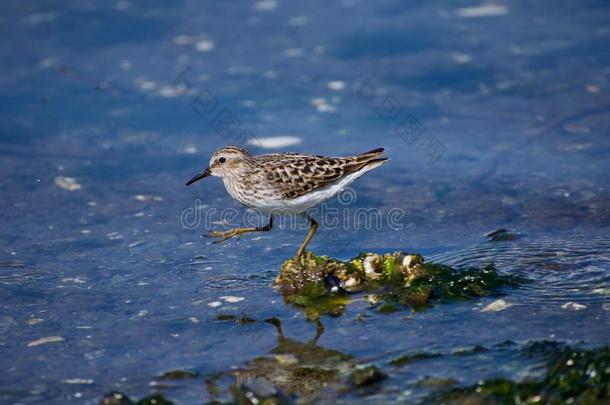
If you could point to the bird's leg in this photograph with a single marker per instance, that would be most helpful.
(319, 332)
(239, 231)
(312, 230)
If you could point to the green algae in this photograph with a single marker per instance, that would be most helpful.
(399, 279)
(573, 376)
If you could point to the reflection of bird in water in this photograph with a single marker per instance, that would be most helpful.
(284, 182)
(292, 368)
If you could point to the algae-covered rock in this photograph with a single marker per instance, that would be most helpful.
(403, 278)
(311, 289)
(573, 376)
(306, 273)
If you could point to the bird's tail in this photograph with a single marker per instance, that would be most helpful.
(368, 160)
(372, 153)
(371, 164)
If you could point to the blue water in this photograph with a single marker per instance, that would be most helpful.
(492, 117)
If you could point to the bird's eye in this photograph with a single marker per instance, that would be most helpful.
(222, 159)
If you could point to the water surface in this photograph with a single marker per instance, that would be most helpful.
(493, 118)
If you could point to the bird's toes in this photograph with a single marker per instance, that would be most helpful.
(222, 235)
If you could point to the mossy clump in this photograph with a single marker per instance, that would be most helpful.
(401, 278)
(304, 275)
(573, 376)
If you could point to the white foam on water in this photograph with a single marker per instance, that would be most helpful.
(265, 5)
(205, 45)
(484, 10)
(274, 142)
(67, 183)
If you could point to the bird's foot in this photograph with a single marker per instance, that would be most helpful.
(228, 234)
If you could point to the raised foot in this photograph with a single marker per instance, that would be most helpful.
(228, 234)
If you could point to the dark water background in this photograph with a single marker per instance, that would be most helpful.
(509, 124)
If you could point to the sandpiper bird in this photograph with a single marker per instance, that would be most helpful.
(284, 182)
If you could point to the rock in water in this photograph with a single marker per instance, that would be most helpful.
(403, 278)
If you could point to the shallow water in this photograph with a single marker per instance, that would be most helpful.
(507, 123)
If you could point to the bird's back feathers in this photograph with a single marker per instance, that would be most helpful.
(297, 174)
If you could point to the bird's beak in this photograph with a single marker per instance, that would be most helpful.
(207, 172)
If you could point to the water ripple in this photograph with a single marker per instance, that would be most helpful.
(239, 282)
(560, 270)
(12, 272)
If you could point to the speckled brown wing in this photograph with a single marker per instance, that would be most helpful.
(296, 174)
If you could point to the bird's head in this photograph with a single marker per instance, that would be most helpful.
(226, 162)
